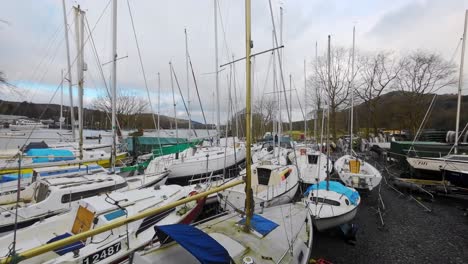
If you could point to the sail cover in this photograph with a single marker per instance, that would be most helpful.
(352, 195)
(198, 243)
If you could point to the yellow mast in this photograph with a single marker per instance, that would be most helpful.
(248, 184)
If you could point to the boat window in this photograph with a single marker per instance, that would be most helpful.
(324, 200)
(458, 157)
(85, 194)
(313, 159)
(263, 175)
(42, 192)
(133, 180)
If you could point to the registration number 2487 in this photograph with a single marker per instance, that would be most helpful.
(102, 254)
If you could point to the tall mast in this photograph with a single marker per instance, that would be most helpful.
(275, 95)
(317, 106)
(305, 103)
(460, 84)
(61, 101)
(235, 97)
(188, 85)
(79, 29)
(159, 102)
(280, 59)
(351, 86)
(114, 83)
(328, 108)
(174, 102)
(248, 184)
(290, 103)
(218, 122)
(70, 89)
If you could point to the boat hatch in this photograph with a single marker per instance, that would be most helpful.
(42, 192)
(263, 175)
(354, 166)
(313, 159)
(113, 215)
(83, 220)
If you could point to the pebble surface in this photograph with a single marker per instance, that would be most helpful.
(410, 234)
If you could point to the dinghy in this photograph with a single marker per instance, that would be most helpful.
(331, 204)
(357, 173)
(272, 184)
(111, 246)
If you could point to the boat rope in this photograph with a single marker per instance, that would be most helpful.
(181, 95)
(198, 95)
(141, 65)
(99, 66)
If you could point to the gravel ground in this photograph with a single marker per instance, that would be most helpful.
(410, 234)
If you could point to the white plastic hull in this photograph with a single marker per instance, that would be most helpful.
(326, 223)
(367, 178)
(435, 164)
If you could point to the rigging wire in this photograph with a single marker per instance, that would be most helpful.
(181, 94)
(141, 65)
(198, 95)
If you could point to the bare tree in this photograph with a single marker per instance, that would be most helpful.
(422, 73)
(127, 105)
(376, 75)
(337, 93)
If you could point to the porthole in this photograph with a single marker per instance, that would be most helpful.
(347, 201)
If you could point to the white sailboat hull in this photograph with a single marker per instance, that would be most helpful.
(436, 164)
(367, 178)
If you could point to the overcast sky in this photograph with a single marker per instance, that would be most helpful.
(32, 46)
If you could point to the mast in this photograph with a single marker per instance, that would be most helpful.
(280, 123)
(159, 101)
(114, 83)
(70, 89)
(174, 102)
(460, 84)
(305, 103)
(290, 103)
(248, 179)
(328, 110)
(218, 122)
(79, 29)
(61, 101)
(188, 85)
(351, 83)
(275, 129)
(317, 110)
(235, 97)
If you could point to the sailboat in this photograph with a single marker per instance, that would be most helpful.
(93, 212)
(199, 162)
(280, 234)
(331, 204)
(431, 168)
(272, 184)
(355, 172)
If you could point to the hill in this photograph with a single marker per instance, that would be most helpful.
(94, 119)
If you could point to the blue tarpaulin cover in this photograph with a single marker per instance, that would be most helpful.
(198, 243)
(261, 224)
(48, 155)
(335, 186)
(68, 248)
